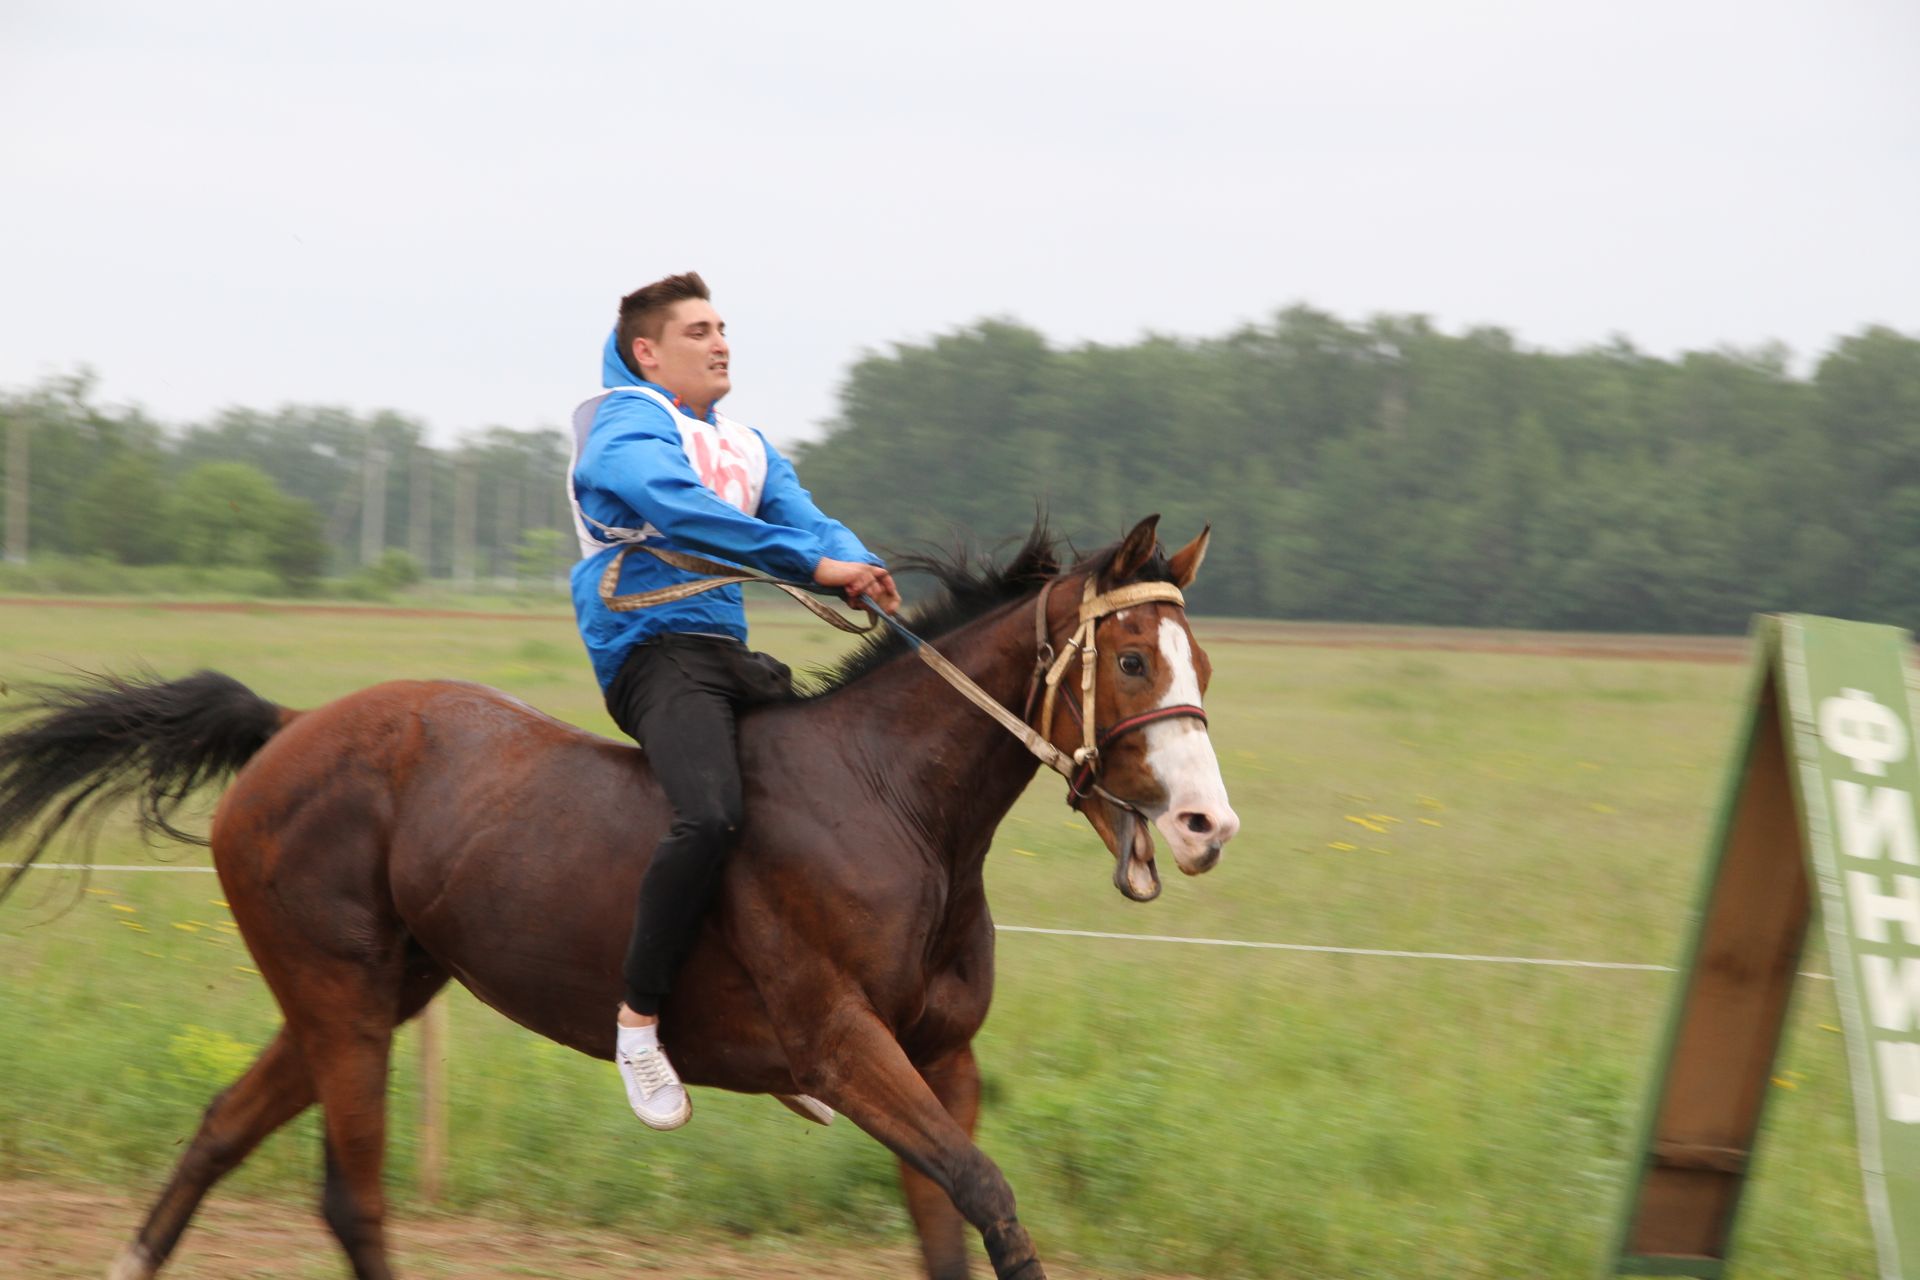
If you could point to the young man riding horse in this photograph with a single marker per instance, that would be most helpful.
(652, 454)
(420, 831)
(417, 832)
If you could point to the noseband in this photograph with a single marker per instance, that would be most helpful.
(1050, 668)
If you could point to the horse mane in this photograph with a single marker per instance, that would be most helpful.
(971, 586)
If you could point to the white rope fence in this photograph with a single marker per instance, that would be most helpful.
(1458, 957)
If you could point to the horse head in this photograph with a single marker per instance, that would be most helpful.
(1147, 759)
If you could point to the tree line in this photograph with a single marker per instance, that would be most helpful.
(1379, 471)
(1388, 472)
(299, 493)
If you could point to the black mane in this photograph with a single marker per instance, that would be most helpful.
(970, 587)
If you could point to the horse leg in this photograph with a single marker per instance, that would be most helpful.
(852, 1062)
(349, 1059)
(271, 1092)
(955, 1080)
(349, 1049)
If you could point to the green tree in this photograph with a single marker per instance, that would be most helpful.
(120, 511)
(538, 558)
(296, 546)
(224, 513)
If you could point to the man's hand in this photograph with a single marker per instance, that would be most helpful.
(855, 579)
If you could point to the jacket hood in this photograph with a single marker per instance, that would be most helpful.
(613, 370)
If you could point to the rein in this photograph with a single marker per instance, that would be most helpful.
(1081, 769)
(716, 575)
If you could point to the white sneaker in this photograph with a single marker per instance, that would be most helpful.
(653, 1090)
(806, 1107)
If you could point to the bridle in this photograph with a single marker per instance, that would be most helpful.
(1050, 669)
(1081, 769)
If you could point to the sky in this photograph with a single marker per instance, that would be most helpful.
(435, 207)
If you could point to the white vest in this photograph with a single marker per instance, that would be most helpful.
(729, 458)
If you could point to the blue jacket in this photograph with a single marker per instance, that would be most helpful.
(632, 471)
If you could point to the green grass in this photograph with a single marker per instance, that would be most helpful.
(1214, 1111)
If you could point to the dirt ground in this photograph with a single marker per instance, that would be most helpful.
(48, 1230)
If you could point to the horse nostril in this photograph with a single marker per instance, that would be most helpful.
(1198, 823)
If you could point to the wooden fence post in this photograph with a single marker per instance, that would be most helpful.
(433, 1099)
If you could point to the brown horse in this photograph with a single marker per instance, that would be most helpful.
(412, 832)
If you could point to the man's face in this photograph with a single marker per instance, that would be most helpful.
(690, 356)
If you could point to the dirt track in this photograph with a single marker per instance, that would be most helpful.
(48, 1230)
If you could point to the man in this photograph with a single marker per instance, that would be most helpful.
(652, 454)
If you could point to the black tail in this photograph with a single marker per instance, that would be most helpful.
(98, 742)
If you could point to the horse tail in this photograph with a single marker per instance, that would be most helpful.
(92, 744)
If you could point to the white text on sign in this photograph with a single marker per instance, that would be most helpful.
(1876, 825)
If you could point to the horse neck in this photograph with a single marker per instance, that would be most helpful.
(945, 764)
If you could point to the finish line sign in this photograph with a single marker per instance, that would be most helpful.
(1822, 791)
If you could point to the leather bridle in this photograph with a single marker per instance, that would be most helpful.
(1050, 669)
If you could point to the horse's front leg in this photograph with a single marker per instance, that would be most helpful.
(851, 1061)
(955, 1080)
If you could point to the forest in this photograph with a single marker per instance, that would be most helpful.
(1379, 470)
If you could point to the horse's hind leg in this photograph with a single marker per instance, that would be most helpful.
(348, 1051)
(271, 1092)
(955, 1080)
(353, 1087)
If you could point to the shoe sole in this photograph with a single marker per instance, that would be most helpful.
(673, 1121)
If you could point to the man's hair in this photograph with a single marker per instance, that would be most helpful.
(643, 313)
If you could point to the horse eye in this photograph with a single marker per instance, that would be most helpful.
(1132, 664)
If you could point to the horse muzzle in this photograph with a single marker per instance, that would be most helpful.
(1197, 834)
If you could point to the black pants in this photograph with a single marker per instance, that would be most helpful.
(677, 695)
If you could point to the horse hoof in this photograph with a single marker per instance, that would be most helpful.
(132, 1264)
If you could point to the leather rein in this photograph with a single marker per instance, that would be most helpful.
(1081, 769)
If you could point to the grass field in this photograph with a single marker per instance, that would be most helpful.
(1158, 1108)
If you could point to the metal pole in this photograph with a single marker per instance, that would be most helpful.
(463, 512)
(17, 491)
(420, 508)
(506, 540)
(373, 504)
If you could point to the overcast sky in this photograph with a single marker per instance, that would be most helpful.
(434, 207)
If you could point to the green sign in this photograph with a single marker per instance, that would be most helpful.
(1821, 793)
(1848, 687)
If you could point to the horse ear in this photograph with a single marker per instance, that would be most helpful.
(1135, 551)
(1186, 561)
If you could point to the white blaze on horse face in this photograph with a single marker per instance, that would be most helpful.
(1197, 820)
